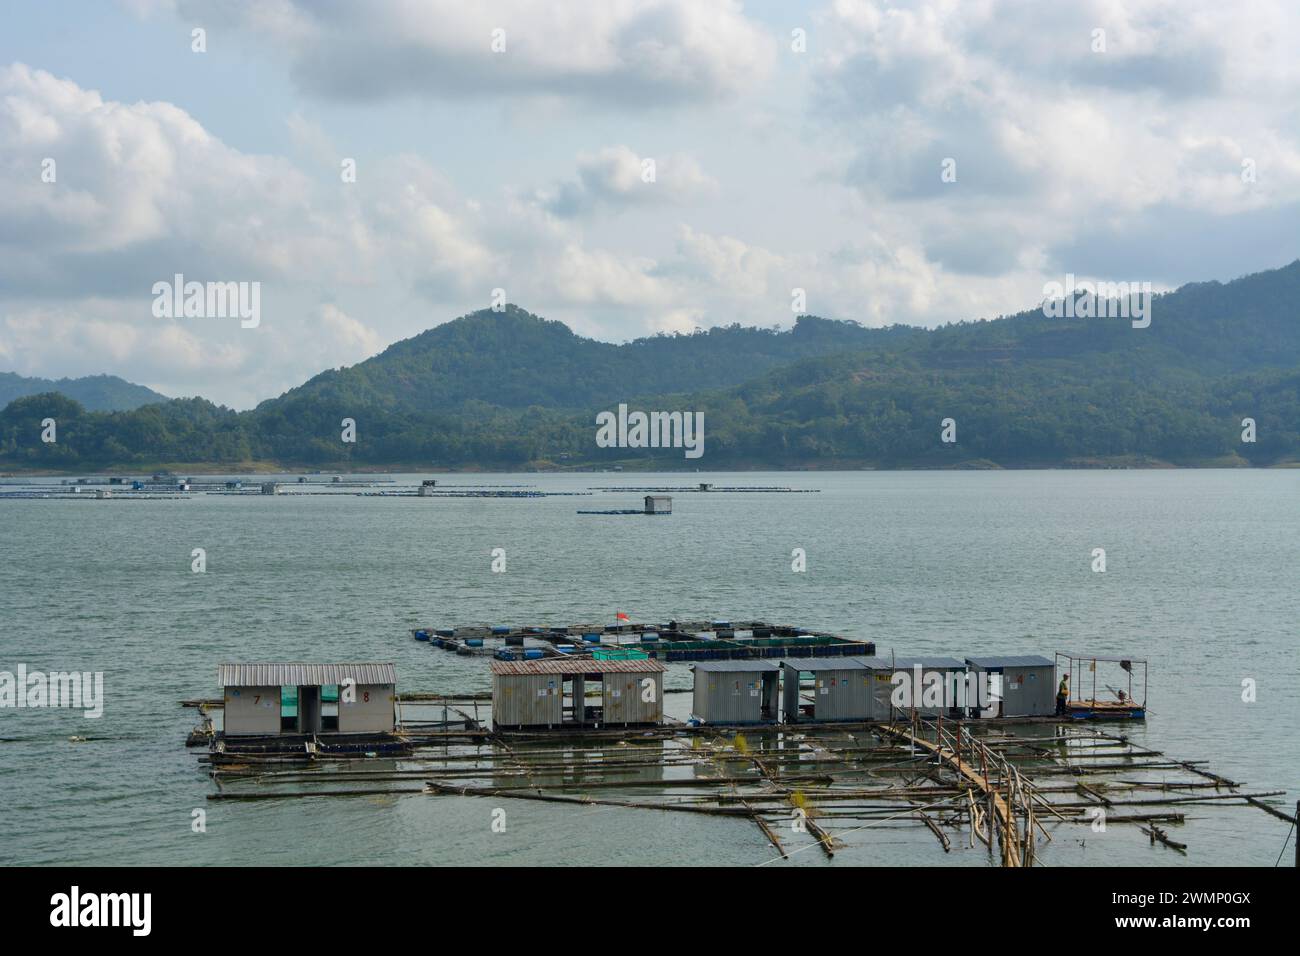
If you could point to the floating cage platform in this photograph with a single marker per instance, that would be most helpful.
(1104, 710)
(671, 641)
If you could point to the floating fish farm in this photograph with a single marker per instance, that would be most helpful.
(670, 642)
(825, 772)
(162, 487)
(978, 788)
(169, 486)
(709, 487)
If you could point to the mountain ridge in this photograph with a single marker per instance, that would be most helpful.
(101, 393)
(511, 389)
(514, 358)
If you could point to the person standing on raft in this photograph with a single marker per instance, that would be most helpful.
(1062, 694)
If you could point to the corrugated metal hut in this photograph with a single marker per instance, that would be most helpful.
(737, 692)
(1028, 683)
(553, 693)
(269, 699)
(658, 505)
(842, 688)
(951, 671)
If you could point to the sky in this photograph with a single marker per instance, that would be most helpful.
(628, 168)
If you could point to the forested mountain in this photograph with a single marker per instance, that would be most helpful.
(98, 393)
(514, 390)
(514, 359)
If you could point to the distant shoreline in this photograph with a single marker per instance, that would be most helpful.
(352, 468)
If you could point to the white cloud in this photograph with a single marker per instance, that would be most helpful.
(428, 234)
(616, 177)
(349, 339)
(143, 191)
(327, 337)
(1050, 138)
(95, 336)
(628, 52)
(827, 171)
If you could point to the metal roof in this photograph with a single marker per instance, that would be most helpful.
(736, 667)
(303, 675)
(845, 663)
(1011, 660)
(570, 665)
(942, 663)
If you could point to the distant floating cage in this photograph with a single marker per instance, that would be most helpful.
(618, 654)
(672, 641)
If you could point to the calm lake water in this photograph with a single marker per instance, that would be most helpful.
(1202, 577)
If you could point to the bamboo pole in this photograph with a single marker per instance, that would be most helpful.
(1155, 833)
(1000, 808)
(934, 828)
(995, 778)
(823, 838)
(433, 787)
(767, 830)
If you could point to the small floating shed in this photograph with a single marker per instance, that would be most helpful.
(1028, 683)
(737, 692)
(952, 672)
(842, 688)
(552, 693)
(658, 505)
(255, 698)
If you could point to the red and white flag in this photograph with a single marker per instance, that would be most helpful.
(620, 616)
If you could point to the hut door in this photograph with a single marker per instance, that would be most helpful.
(309, 710)
(288, 710)
(1010, 694)
(768, 709)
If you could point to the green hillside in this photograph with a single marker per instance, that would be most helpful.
(98, 393)
(512, 390)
